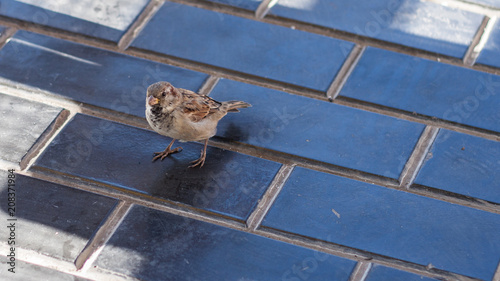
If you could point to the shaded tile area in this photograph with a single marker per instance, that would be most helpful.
(52, 219)
(150, 245)
(244, 4)
(463, 164)
(103, 19)
(2, 29)
(426, 87)
(388, 222)
(22, 122)
(490, 55)
(30, 272)
(87, 74)
(413, 23)
(382, 273)
(244, 45)
(229, 183)
(318, 130)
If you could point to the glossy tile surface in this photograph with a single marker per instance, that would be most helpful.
(103, 19)
(150, 245)
(229, 183)
(90, 75)
(52, 219)
(318, 130)
(419, 24)
(435, 89)
(388, 222)
(245, 4)
(463, 164)
(264, 50)
(490, 55)
(22, 122)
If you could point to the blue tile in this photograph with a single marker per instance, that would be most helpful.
(53, 219)
(244, 4)
(2, 29)
(318, 130)
(107, 20)
(382, 273)
(413, 23)
(463, 164)
(229, 183)
(490, 53)
(22, 122)
(388, 222)
(244, 45)
(87, 74)
(491, 3)
(417, 85)
(150, 245)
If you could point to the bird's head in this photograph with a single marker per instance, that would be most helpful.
(164, 95)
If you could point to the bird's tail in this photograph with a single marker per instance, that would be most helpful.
(232, 106)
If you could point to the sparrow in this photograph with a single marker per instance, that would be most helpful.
(185, 116)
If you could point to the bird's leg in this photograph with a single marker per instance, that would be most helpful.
(167, 151)
(201, 160)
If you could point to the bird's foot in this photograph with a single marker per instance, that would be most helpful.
(198, 162)
(166, 153)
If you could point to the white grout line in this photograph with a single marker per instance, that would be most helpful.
(360, 271)
(265, 203)
(480, 39)
(138, 25)
(7, 35)
(96, 244)
(209, 85)
(264, 8)
(469, 6)
(344, 72)
(417, 157)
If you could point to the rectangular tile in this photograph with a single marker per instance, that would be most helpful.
(244, 45)
(382, 273)
(30, 272)
(431, 88)
(419, 24)
(85, 74)
(52, 219)
(388, 222)
(463, 164)
(22, 122)
(490, 53)
(318, 130)
(150, 245)
(244, 4)
(103, 19)
(229, 183)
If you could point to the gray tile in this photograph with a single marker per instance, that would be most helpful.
(150, 245)
(22, 122)
(24, 271)
(52, 219)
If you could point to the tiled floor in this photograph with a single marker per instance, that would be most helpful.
(371, 151)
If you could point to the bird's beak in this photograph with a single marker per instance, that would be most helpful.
(153, 101)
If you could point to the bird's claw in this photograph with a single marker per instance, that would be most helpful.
(166, 153)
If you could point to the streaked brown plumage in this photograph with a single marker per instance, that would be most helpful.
(185, 115)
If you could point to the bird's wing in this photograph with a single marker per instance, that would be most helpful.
(196, 106)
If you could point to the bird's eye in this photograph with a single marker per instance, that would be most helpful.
(163, 94)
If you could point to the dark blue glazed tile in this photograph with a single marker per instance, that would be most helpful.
(52, 219)
(318, 130)
(463, 164)
(24, 271)
(382, 273)
(388, 222)
(150, 245)
(103, 19)
(22, 122)
(490, 55)
(426, 87)
(87, 74)
(414, 23)
(229, 183)
(244, 45)
(244, 4)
